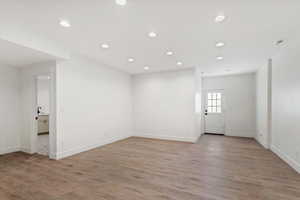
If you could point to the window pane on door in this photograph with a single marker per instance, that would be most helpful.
(209, 109)
(214, 96)
(214, 102)
(214, 109)
(209, 96)
(209, 103)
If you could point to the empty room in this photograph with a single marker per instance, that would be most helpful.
(152, 100)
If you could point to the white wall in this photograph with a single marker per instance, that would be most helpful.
(285, 106)
(94, 106)
(164, 105)
(263, 104)
(10, 112)
(43, 92)
(240, 102)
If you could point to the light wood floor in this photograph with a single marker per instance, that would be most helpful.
(216, 168)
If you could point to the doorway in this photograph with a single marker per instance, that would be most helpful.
(43, 114)
(214, 115)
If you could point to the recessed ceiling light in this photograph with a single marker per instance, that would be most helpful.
(220, 18)
(220, 57)
(121, 2)
(130, 59)
(179, 63)
(152, 34)
(105, 46)
(220, 44)
(169, 53)
(65, 23)
(146, 68)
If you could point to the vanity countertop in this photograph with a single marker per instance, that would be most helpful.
(43, 114)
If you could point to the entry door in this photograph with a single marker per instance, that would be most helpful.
(214, 112)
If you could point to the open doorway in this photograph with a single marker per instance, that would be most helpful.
(43, 92)
(214, 113)
(37, 110)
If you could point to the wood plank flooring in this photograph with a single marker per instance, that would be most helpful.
(216, 168)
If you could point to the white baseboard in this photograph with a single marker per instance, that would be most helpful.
(25, 150)
(240, 133)
(263, 143)
(14, 149)
(172, 138)
(9, 150)
(293, 163)
(83, 148)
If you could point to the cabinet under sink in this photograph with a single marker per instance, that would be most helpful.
(43, 124)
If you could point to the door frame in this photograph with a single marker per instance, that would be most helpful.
(52, 116)
(224, 106)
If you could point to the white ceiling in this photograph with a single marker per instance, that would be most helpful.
(186, 27)
(18, 56)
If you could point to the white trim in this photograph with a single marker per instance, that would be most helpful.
(261, 142)
(236, 133)
(269, 142)
(9, 150)
(26, 150)
(67, 153)
(15, 149)
(165, 137)
(293, 163)
(52, 115)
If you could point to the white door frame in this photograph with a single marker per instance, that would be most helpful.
(204, 100)
(269, 138)
(52, 116)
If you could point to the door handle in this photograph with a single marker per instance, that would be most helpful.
(38, 112)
